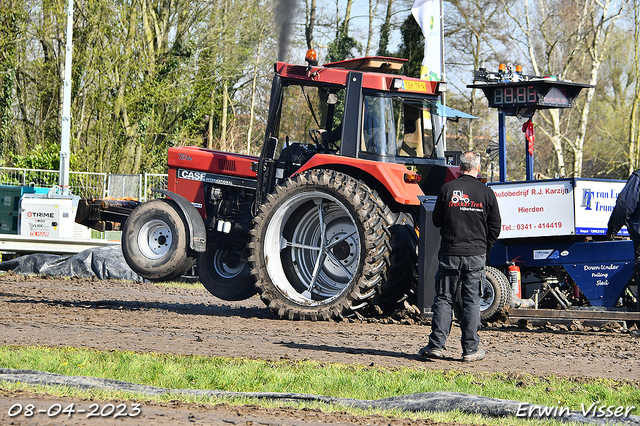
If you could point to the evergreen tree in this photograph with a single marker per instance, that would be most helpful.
(343, 46)
(412, 46)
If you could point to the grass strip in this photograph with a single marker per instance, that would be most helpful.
(189, 284)
(348, 381)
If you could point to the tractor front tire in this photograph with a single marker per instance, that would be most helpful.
(155, 241)
(319, 247)
(224, 272)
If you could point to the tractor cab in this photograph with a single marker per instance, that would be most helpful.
(359, 108)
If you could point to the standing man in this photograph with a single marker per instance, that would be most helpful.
(467, 214)
(626, 212)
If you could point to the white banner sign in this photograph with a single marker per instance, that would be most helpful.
(427, 14)
(594, 201)
(535, 209)
(556, 207)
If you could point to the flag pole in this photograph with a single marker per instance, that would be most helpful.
(63, 178)
(425, 13)
(443, 75)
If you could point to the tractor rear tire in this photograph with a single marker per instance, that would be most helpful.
(319, 247)
(224, 272)
(155, 241)
(402, 275)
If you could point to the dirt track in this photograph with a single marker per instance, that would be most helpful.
(151, 318)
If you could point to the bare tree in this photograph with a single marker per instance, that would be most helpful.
(568, 39)
(635, 109)
(310, 23)
(373, 8)
(474, 34)
(385, 31)
(347, 16)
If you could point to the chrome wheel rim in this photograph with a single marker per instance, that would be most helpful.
(224, 268)
(488, 296)
(154, 239)
(312, 248)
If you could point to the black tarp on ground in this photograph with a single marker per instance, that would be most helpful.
(101, 262)
(429, 401)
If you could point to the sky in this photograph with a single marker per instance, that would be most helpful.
(359, 24)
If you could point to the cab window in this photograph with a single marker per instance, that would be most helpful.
(402, 127)
(310, 107)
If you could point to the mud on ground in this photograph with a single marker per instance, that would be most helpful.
(150, 318)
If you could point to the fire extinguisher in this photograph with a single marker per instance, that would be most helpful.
(515, 279)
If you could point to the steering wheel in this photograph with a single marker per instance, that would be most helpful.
(316, 136)
(326, 146)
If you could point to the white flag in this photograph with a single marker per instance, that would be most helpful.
(427, 13)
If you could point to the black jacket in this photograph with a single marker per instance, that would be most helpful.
(468, 216)
(626, 211)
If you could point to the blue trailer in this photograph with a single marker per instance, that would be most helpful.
(571, 272)
(553, 231)
(552, 245)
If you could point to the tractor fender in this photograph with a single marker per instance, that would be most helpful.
(195, 224)
(390, 175)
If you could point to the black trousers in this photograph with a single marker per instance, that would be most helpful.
(636, 271)
(469, 273)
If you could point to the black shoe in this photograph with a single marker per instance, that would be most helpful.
(476, 356)
(428, 352)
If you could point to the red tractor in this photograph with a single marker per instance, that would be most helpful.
(322, 224)
(459, 197)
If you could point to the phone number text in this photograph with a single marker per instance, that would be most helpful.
(526, 226)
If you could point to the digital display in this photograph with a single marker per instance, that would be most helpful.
(524, 97)
(556, 96)
(515, 95)
(531, 95)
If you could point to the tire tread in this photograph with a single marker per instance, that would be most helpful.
(366, 204)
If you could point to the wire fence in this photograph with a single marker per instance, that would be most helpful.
(154, 181)
(89, 185)
(121, 186)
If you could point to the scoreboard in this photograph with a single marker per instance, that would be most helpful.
(529, 94)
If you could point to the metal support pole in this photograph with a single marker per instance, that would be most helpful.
(528, 160)
(63, 178)
(502, 146)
